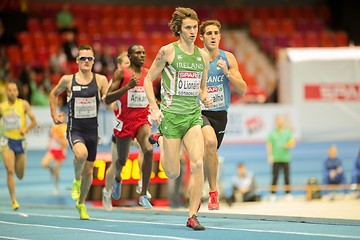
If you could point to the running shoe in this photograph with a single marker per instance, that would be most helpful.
(145, 202)
(75, 190)
(15, 205)
(106, 200)
(193, 223)
(82, 211)
(213, 201)
(116, 190)
(139, 189)
(154, 138)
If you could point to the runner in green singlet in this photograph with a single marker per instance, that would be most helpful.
(184, 70)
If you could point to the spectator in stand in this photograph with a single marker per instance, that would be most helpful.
(333, 173)
(25, 91)
(355, 179)
(108, 61)
(6, 38)
(244, 186)
(65, 19)
(4, 73)
(58, 62)
(70, 46)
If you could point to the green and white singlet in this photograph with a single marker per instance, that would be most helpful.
(180, 82)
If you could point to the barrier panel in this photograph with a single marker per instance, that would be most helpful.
(130, 176)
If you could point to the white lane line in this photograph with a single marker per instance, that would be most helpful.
(217, 228)
(11, 238)
(287, 232)
(96, 231)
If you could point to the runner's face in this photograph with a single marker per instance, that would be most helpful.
(211, 37)
(137, 57)
(189, 30)
(12, 92)
(85, 59)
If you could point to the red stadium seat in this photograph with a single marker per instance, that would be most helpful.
(312, 39)
(33, 25)
(48, 25)
(326, 39)
(341, 39)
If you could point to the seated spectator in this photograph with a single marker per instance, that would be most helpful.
(65, 19)
(108, 61)
(7, 38)
(58, 62)
(70, 46)
(244, 186)
(333, 169)
(355, 178)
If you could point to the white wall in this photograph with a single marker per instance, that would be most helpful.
(324, 86)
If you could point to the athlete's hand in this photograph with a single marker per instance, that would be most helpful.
(133, 82)
(157, 116)
(222, 64)
(207, 102)
(59, 118)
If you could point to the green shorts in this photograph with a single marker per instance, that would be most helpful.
(176, 125)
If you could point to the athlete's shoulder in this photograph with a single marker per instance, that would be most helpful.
(66, 78)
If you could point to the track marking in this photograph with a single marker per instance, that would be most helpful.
(11, 238)
(95, 231)
(174, 224)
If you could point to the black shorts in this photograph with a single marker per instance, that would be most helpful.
(90, 139)
(218, 120)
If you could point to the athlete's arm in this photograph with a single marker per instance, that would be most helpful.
(57, 90)
(31, 115)
(162, 58)
(203, 94)
(115, 92)
(235, 76)
(103, 86)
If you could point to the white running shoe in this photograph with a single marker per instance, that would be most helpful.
(106, 200)
(139, 188)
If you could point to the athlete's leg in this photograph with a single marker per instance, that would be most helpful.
(47, 159)
(87, 177)
(169, 156)
(147, 148)
(81, 155)
(123, 149)
(9, 162)
(211, 160)
(56, 171)
(110, 172)
(194, 144)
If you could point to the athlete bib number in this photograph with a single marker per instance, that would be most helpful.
(85, 107)
(118, 125)
(11, 122)
(216, 93)
(188, 83)
(137, 97)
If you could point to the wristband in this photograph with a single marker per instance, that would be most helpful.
(228, 74)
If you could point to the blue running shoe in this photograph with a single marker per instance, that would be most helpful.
(116, 190)
(144, 201)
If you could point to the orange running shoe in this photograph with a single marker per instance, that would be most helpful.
(213, 201)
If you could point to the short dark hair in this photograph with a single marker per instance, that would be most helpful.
(130, 49)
